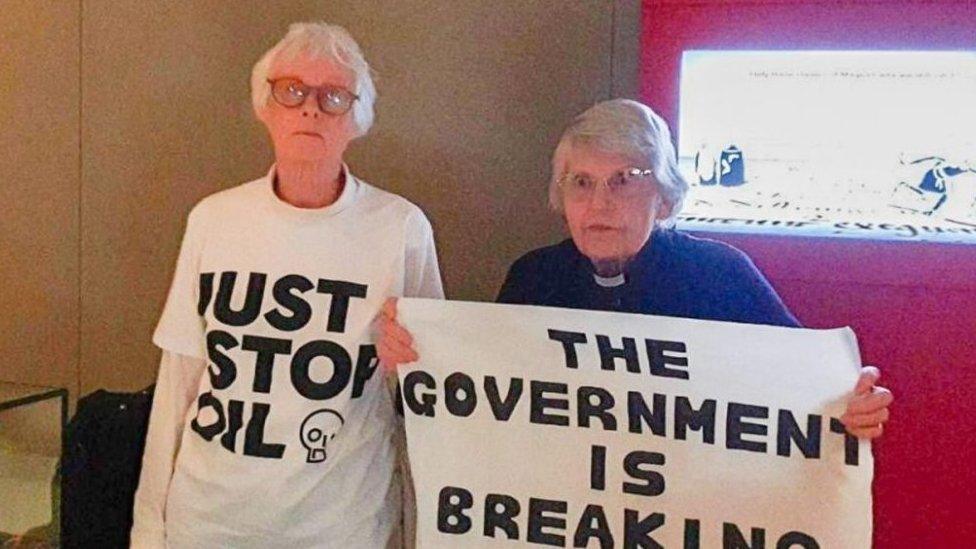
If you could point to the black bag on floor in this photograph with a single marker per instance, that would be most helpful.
(100, 466)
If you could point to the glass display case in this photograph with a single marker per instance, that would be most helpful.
(32, 423)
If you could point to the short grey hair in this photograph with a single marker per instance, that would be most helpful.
(632, 130)
(319, 40)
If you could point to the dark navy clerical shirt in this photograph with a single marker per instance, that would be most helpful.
(675, 274)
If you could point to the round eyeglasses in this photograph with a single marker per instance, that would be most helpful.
(625, 184)
(292, 93)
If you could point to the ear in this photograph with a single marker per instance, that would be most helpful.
(663, 208)
(262, 113)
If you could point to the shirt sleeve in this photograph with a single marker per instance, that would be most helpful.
(176, 387)
(405, 532)
(520, 285)
(511, 290)
(181, 326)
(422, 278)
(422, 275)
(752, 298)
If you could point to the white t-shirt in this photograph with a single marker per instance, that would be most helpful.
(289, 442)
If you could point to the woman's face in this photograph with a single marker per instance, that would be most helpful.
(305, 133)
(609, 227)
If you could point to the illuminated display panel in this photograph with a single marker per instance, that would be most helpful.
(867, 144)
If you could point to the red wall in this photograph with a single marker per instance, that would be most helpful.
(913, 306)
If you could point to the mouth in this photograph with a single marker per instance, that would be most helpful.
(310, 134)
(601, 228)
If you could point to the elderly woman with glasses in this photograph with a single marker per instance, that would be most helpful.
(615, 180)
(270, 426)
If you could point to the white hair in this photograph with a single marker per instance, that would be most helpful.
(319, 40)
(629, 129)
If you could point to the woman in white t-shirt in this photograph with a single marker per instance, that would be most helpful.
(271, 424)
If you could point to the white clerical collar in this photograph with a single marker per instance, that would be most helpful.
(609, 281)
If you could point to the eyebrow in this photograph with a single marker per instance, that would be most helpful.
(588, 174)
(293, 77)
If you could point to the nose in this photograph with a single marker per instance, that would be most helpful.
(310, 108)
(601, 198)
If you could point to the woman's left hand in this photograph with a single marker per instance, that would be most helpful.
(867, 411)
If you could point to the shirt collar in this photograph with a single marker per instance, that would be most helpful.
(350, 190)
(645, 262)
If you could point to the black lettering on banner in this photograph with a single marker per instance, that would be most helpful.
(341, 292)
(459, 383)
(206, 292)
(223, 310)
(226, 369)
(208, 432)
(266, 349)
(539, 403)
(254, 444)
(851, 445)
(586, 529)
(609, 354)
(235, 420)
(686, 417)
(366, 364)
(503, 408)
(790, 539)
(425, 405)
(638, 414)
(301, 311)
(735, 427)
(692, 534)
(660, 361)
(789, 431)
(539, 520)
(653, 484)
(598, 467)
(569, 340)
(587, 409)
(732, 538)
(301, 364)
(500, 512)
(637, 531)
(451, 504)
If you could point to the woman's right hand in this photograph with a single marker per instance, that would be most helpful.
(395, 344)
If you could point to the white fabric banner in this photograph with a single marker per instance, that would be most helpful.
(536, 425)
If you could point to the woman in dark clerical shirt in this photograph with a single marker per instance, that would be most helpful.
(615, 180)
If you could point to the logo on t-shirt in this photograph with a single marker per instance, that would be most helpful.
(317, 430)
(274, 358)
